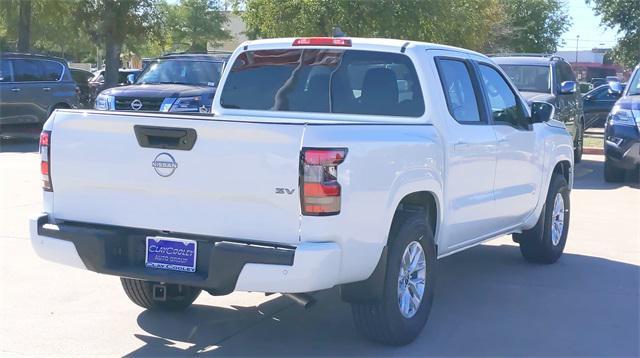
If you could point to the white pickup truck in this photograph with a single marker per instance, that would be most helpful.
(328, 162)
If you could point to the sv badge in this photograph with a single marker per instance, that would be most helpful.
(285, 191)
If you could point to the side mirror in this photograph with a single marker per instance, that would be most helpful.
(568, 87)
(615, 88)
(131, 78)
(542, 112)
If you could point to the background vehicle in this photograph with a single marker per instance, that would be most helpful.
(598, 81)
(31, 88)
(585, 87)
(622, 132)
(82, 78)
(321, 166)
(612, 79)
(172, 83)
(549, 79)
(597, 104)
(97, 82)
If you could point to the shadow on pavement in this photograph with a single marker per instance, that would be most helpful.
(589, 175)
(489, 302)
(18, 145)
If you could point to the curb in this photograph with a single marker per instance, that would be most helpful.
(596, 151)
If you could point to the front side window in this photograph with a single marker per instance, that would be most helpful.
(5, 71)
(565, 73)
(25, 70)
(458, 88)
(529, 78)
(190, 72)
(604, 95)
(52, 71)
(503, 101)
(324, 80)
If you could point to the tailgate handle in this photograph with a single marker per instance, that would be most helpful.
(165, 137)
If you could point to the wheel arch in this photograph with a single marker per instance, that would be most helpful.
(370, 290)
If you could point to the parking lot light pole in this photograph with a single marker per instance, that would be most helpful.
(577, 40)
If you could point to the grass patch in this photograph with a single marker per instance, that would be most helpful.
(593, 142)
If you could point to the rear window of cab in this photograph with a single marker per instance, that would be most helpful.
(324, 81)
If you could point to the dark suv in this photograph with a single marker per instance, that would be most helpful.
(31, 87)
(622, 131)
(172, 83)
(549, 79)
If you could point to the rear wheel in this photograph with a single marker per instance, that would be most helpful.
(157, 296)
(612, 173)
(404, 308)
(544, 243)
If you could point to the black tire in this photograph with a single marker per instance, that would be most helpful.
(383, 321)
(612, 174)
(578, 144)
(536, 244)
(178, 297)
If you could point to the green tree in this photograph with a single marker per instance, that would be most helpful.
(112, 22)
(530, 26)
(625, 15)
(194, 23)
(50, 31)
(465, 23)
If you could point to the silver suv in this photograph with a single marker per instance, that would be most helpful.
(31, 88)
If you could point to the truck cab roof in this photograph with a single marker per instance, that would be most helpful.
(356, 43)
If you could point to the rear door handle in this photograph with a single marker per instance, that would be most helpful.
(15, 90)
(165, 137)
(46, 89)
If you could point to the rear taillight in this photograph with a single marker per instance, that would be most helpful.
(320, 191)
(45, 160)
(322, 41)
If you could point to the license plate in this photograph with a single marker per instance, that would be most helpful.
(171, 254)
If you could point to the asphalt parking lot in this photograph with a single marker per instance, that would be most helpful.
(489, 301)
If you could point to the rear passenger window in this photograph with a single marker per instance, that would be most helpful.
(5, 71)
(458, 88)
(52, 70)
(324, 80)
(504, 105)
(27, 70)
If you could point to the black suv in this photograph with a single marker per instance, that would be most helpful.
(171, 83)
(549, 79)
(31, 87)
(622, 131)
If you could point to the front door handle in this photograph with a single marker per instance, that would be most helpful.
(46, 89)
(15, 90)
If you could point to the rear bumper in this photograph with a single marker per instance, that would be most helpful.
(223, 265)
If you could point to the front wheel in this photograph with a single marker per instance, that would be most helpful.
(156, 296)
(544, 243)
(404, 308)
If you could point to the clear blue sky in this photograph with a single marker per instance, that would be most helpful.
(586, 24)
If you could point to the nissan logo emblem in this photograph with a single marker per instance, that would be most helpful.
(136, 104)
(164, 164)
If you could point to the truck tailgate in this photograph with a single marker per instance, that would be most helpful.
(225, 185)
